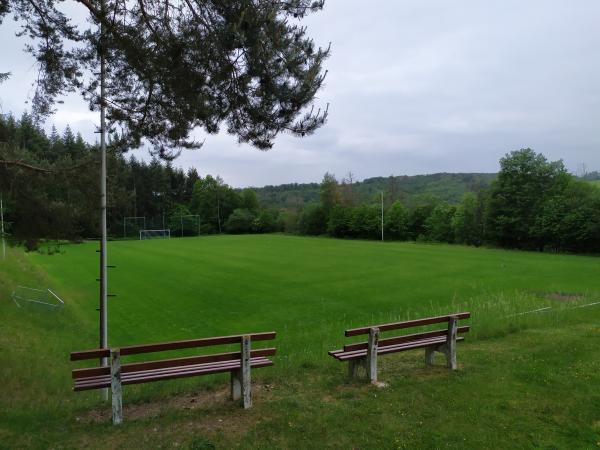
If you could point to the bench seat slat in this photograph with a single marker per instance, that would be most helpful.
(230, 364)
(95, 378)
(404, 338)
(356, 354)
(398, 347)
(182, 374)
(168, 373)
(174, 362)
(106, 378)
(406, 324)
(412, 345)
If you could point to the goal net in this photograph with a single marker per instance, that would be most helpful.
(155, 234)
(26, 296)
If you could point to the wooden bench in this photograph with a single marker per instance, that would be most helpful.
(364, 354)
(238, 363)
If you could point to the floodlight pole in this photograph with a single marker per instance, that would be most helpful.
(382, 216)
(219, 211)
(103, 255)
(2, 226)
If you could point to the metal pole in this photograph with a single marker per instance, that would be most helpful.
(103, 255)
(2, 227)
(181, 219)
(219, 212)
(382, 215)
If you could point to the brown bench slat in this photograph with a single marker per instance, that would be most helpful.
(174, 345)
(90, 354)
(199, 368)
(345, 356)
(203, 342)
(231, 363)
(412, 345)
(101, 378)
(174, 362)
(360, 353)
(256, 365)
(106, 378)
(404, 338)
(167, 374)
(406, 324)
(395, 349)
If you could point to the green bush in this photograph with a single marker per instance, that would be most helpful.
(240, 221)
(313, 221)
(395, 222)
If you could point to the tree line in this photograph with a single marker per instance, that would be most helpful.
(533, 204)
(51, 190)
(449, 187)
(50, 187)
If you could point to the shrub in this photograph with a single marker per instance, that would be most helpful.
(313, 220)
(396, 222)
(339, 221)
(240, 221)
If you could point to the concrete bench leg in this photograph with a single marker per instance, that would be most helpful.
(429, 353)
(448, 349)
(368, 363)
(372, 355)
(246, 383)
(115, 386)
(451, 343)
(354, 366)
(236, 385)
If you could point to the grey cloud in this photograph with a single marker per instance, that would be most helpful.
(417, 87)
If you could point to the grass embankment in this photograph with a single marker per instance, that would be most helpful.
(524, 380)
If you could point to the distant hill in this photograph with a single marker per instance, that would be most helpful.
(449, 187)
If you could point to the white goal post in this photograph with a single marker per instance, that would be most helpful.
(155, 234)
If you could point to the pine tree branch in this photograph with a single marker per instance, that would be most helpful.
(25, 165)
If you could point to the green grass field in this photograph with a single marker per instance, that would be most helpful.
(525, 381)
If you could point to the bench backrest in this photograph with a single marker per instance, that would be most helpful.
(403, 325)
(174, 362)
(407, 324)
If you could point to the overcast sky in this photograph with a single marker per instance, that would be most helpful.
(414, 87)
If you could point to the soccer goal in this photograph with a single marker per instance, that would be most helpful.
(155, 234)
(132, 226)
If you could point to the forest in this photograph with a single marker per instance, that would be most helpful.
(50, 191)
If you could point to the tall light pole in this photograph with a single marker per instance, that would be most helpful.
(103, 255)
(382, 216)
(2, 227)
